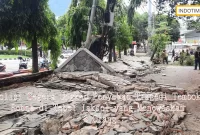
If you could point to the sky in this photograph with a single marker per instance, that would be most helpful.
(59, 7)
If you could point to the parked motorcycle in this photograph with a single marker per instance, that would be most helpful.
(23, 63)
(2, 67)
(44, 63)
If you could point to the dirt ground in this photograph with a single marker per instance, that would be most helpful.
(189, 79)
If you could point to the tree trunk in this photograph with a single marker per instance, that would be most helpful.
(115, 57)
(125, 51)
(145, 48)
(34, 55)
(119, 52)
(154, 52)
(110, 52)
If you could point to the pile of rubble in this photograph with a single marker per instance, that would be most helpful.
(110, 105)
(135, 67)
(93, 103)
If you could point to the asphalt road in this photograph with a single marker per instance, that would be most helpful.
(13, 65)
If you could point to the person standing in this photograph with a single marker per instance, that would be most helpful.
(191, 52)
(173, 55)
(187, 53)
(164, 57)
(197, 58)
(182, 57)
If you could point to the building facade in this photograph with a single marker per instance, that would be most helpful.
(188, 39)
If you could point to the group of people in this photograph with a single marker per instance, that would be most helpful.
(182, 56)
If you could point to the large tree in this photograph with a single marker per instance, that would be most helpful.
(31, 20)
(161, 36)
(133, 5)
(172, 24)
(139, 28)
(119, 35)
(77, 19)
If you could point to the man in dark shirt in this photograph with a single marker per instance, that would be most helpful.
(197, 58)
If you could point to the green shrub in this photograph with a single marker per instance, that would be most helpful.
(27, 53)
(189, 61)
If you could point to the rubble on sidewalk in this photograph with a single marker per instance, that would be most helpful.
(103, 104)
(93, 103)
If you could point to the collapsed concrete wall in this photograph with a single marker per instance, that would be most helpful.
(83, 60)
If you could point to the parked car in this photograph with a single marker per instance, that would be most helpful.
(2, 67)
(66, 54)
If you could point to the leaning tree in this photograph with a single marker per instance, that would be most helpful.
(30, 20)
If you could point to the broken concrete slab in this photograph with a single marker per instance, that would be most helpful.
(83, 60)
(5, 125)
(111, 132)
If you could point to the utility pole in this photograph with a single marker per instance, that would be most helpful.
(87, 42)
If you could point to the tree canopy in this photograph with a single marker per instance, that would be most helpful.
(191, 22)
(30, 20)
(76, 22)
(140, 27)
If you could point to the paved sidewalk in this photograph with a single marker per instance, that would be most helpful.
(180, 76)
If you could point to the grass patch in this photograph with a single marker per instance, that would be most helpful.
(11, 56)
(19, 52)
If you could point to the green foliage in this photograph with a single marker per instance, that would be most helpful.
(27, 53)
(75, 22)
(55, 47)
(35, 18)
(30, 20)
(61, 25)
(194, 24)
(76, 26)
(168, 25)
(131, 10)
(123, 36)
(159, 42)
(166, 29)
(189, 61)
(161, 37)
(139, 27)
(62, 21)
(11, 44)
(162, 4)
(175, 30)
(162, 28)
(120, 34)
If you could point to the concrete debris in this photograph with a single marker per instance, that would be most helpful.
(93, 103)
